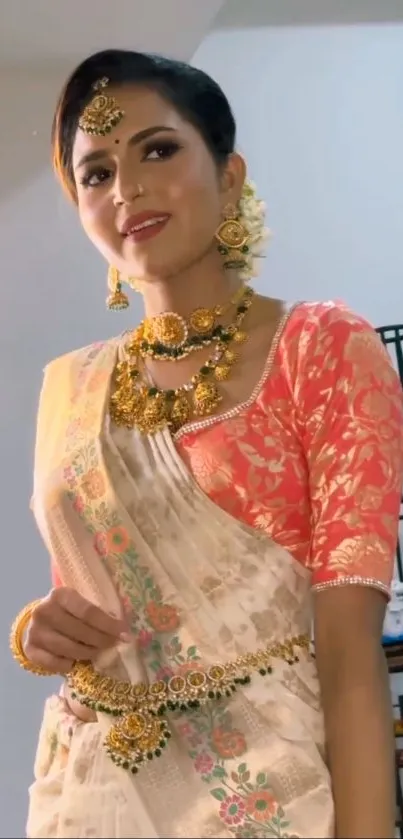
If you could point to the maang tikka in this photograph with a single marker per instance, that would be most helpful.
(102, 113)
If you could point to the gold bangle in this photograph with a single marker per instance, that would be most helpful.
(17, 641)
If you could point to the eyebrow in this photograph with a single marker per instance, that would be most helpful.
(134, 141)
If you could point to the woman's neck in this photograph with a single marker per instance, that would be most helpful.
(205, 284)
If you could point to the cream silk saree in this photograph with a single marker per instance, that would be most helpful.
(127, 526)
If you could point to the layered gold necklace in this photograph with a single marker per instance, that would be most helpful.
(169, 337)
(137, 403)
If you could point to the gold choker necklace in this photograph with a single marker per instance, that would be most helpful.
(135, 403)
(170, 337)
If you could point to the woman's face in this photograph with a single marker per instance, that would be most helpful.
(150, 196)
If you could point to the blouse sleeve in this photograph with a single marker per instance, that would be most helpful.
(351, 412)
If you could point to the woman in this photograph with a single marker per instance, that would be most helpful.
(206, 486)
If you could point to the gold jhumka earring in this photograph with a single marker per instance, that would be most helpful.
(117, 299)
(233, 238)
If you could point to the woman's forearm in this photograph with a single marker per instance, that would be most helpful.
(359, 728)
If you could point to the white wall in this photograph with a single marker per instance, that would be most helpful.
(320, 121)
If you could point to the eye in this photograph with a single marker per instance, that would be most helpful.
(161, 149)
(95, 177)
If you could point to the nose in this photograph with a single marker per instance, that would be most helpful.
(125, 190)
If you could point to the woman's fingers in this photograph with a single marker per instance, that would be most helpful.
(65, 627)
(70, 601)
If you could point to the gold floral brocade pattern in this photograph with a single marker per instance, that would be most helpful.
(316, 461)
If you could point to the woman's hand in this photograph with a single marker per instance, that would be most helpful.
(66, 627)
(73, 706)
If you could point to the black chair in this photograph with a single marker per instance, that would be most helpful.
(392, 338)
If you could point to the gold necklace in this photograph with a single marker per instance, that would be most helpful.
(170, 337)
(135, 403)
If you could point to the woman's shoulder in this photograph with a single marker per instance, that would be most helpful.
(319, 315)
(327, 348)
(310, 325)
(321, 336)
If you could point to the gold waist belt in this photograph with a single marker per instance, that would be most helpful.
(141, 731)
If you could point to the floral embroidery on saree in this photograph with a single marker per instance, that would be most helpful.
(202, 782)
(140, 596)
(247, 806)
(245, 802)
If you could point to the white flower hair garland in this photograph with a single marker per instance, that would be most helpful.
(252, 214)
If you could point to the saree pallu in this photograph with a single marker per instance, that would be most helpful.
(127, 527)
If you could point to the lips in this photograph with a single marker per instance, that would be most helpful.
(142, 221)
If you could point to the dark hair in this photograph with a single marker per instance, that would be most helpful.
(196, 96)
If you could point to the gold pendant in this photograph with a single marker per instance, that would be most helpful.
(135, 739)
(206, 398)
(180, 412)
(154, 414)
(169, 329)
(240, 337)
(202, 321)
(222, 372)
(127, 404)
(137, 404)
(230, 356)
